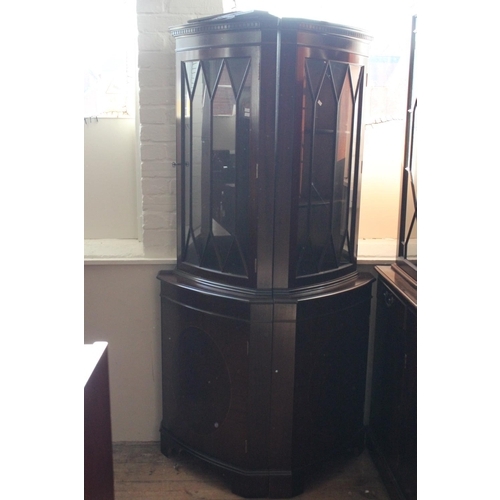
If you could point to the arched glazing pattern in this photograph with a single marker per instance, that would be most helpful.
(216, 127)
(330, 124)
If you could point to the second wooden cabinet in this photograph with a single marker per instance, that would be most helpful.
(393, 418)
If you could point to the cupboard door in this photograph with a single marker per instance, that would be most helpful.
(407, 471)
(393, 418)
(388, 370)
(205, 381)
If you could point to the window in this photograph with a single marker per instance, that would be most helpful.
(110, 146)
(110, 59)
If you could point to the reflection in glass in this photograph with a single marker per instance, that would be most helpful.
(216, 115)
(408, 223)
(410, 242)
(342, 169)
(325, 205)
(196, 90)
(223, 155)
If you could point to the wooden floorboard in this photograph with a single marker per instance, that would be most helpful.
(141, 472)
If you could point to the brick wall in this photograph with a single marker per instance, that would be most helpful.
(157, 115)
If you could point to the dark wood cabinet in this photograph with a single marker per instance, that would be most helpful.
(98, 449)
(265, 319)
(393, 415)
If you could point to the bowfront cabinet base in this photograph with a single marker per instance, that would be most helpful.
(264, 384)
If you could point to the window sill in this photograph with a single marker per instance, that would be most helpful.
(377, 251)
(130, 252)
(120, 252)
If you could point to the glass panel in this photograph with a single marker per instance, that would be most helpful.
(307, 261)
(241, 77)
(189, 77)
(328, 258)
(357, 82)
(326, 170)
(193, 185)
(238, 67)
(322, 171)
(408, 228)
(342, 167)
(216, 114)
(338, 71)
(210, 259)
(191, 74)
(314, 71)
(211, 70)
(223, 185)
(411, 197)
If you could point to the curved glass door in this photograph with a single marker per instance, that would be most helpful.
(328, 177)
(215, 156)
(407, 249)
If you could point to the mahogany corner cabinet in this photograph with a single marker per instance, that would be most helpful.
(265, 318)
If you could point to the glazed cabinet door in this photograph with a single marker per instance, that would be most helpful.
(319, 163)
(218, 97)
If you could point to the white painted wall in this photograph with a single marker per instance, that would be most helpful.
(110, 176)
(122, 307)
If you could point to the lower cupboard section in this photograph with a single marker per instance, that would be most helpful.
(264, 385)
